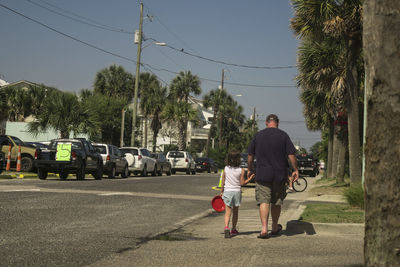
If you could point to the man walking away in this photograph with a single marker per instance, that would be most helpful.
(271, 147)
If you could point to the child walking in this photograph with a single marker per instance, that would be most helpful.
(232, 180)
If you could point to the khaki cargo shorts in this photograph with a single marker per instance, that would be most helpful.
(270, 192)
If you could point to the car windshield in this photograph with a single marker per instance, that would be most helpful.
(129, 150)
(176, 155)
(18, 141)
(101, 149)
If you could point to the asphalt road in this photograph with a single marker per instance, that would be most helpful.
(76, 223)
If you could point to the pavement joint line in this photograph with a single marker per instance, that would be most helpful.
(110, 193)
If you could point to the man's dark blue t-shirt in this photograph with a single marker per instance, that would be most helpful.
(271, 148)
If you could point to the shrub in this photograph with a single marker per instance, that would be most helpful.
(355, 196)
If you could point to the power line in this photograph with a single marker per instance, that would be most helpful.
(230, 64)
(126, 58)
(67, 35)
(99, 25)
(91, 22)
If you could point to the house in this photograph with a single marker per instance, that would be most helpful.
(197, 131)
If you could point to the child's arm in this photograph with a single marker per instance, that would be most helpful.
(222, 182)
(243, 181)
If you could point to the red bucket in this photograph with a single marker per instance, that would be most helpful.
(218, 203)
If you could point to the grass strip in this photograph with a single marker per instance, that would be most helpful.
(332, 213)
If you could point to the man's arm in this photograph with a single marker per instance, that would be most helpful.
(250, 171)
(293, 161)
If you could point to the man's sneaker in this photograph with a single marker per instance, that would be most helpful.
(234, 232)
(227, 232)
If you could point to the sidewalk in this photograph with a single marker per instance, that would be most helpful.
(202, 242)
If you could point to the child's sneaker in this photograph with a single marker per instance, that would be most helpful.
(227, 232)
(234, 232)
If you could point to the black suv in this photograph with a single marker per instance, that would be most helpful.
(206, 164)
(65, 156)
(308, 166)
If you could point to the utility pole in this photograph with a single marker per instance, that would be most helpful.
(121, 141)
(254, 119)
(220, 113)
(135, 99)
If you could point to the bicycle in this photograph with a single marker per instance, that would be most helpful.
(299, 185)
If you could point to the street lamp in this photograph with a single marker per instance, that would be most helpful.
(138, 40)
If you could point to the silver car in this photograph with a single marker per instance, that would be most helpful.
(139, 160)
(181, 161)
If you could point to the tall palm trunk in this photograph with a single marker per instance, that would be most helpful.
(181, 135)
(145, 131)
(353, 112)
(330, 148)
(335, 158)
(341, 159)
(382, 157)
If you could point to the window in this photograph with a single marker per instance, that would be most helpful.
(145, 152)
(101, 149)
(176, 154)
(129, 150)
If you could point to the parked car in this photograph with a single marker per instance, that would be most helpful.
(244, 164)
(206, 164)
(181, 161)
(162, 164)
(37, 144)
(69, 155)
(27, 152)
(114, 162)
(140, 162)
(2, 162)
(308, 166)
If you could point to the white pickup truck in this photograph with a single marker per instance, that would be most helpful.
(141, 161)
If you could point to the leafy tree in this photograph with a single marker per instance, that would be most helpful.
(109, 110)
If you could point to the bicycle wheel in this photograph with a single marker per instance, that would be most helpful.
(300, 185)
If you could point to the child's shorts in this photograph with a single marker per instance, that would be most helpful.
(232, 198)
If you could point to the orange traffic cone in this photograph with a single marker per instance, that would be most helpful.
(8, 159)
(19, 159)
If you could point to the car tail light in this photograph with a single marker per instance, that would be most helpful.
(313, 164)
(186, 160)
(108, 158)
(73, 155)
(36, 154)
(205, 163)
(140, 157)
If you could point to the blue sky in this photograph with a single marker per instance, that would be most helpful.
(252, 33)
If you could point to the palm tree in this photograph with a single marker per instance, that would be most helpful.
(180, 89)
(212, 99)
(114, 81)
(63, 112)
(152, 103)
(3, 105)
(382, 196)
(317, 20)
(149, 85)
